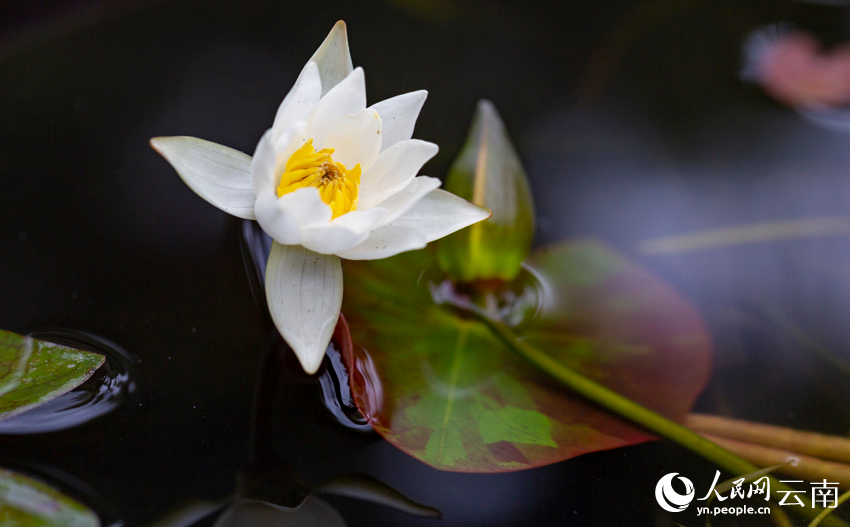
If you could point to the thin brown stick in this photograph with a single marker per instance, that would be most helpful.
(807, 468)
(807, 443)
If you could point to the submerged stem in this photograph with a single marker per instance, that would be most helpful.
(628, 409)
(808, 443)
(807, 467)
(826, 512)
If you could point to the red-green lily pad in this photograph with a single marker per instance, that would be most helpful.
(33, 372)
(25, 502)
(440, 386)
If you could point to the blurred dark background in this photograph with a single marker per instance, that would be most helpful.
(632, 122)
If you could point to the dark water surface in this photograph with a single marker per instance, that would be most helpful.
(633, 126)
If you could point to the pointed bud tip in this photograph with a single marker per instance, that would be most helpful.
(486, 112)
(338, 33)
(486, 105)
(489, 173)
(333, 57)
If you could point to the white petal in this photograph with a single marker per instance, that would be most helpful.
(287, 144)
(343, 233)
(347, 97)
(276, 221)
(356, 139)
(264, 165)
(360, 220)
(300, 100)
(270, 157)
(304, 291)
(285, 218)
(219, 174)
(386, 241)
(441, 213)
(405, 199)
(394, 169)
(333, 57)
(399, 115)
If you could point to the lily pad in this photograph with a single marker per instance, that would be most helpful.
(33, 372)
(25, 502)
(440, 386)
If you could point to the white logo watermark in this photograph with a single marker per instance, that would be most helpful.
(824, 494)
(669, 499)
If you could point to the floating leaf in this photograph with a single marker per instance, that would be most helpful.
(25, 502)
(33, 372)
(440, 386)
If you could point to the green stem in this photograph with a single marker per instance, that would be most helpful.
(826, 512)
(633, 411)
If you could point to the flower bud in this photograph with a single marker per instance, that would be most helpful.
(488, 172)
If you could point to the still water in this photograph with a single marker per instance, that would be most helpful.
(633, 125)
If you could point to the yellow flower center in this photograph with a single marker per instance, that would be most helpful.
(337, 185)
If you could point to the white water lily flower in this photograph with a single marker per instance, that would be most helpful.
(331, 178)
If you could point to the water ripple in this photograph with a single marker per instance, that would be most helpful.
(105, 391)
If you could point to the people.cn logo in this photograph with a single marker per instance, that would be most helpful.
(669, 499)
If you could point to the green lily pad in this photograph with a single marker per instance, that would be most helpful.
(25, 502)
(439, 385)
(33, 372)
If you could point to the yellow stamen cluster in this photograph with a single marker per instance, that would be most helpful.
(337, 185)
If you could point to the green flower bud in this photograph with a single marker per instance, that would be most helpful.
(488, 172)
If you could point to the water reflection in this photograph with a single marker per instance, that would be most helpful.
(270, 491)
(312, 513)
(256, 246)
(274, 495)
(515, 302)
(105, 391)
(336, 393)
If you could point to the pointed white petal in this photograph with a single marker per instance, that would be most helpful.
(284, 218)
(386, 241)
(219, 174)
(394, 169)
(304, 291)
(298, 102)
(399, 115)
(342, 233)
(356, 139)
(333, 57)
(441, 213)
(405, 199)
(347, 97)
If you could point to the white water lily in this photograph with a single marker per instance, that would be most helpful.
(331, 178)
